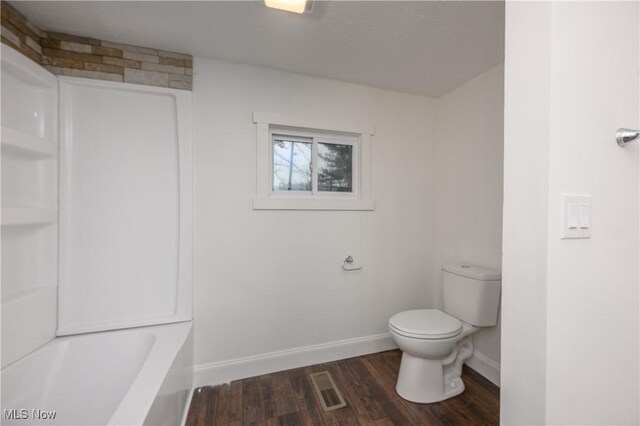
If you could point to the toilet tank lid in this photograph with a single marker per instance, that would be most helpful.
(470, 271)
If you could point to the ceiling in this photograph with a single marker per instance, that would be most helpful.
(422, 47)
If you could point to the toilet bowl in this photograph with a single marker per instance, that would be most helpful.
(436, 343)
(428, 338)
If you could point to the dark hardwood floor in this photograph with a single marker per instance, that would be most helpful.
(367, 384)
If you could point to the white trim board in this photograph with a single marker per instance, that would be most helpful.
(486, 367)
(240, 368)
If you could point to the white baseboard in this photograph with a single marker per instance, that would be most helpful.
(485, 366)
(240, 368)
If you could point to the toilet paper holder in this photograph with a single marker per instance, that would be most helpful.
(348, 261)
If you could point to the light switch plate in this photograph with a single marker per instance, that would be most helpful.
(576, 220)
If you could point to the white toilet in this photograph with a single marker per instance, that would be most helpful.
(435, 344)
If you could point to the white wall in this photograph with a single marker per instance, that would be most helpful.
(525, 214)
(592, 294)
(468, 203)
(271, 280)
(573, 326)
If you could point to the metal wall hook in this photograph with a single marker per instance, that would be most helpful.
(349, 260)
(625, 136)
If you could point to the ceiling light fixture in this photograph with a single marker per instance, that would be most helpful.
(296, 6)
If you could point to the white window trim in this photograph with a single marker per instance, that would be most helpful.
(267, 199)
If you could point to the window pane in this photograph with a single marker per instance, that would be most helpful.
(335, 167)
(291, 165)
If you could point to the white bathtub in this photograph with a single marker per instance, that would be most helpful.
(126, 377)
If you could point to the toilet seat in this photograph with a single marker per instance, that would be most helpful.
(429, 324)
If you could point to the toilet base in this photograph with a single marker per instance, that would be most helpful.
(421, 380)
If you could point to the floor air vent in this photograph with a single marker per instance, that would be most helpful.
(327, 391)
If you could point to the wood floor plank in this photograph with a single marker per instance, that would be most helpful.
(436, 411)
(482, 396)
(203, 398)
(253, 412)
(197, 409)
(386, 375)
(307, 408)
(230, 403)
(368, 386)
(367, 394)
(212, 405)
(266, 389)
(383, 393)
(342, 416)
(383, 422)
(289, 419)
(348, 392)
(283, 395)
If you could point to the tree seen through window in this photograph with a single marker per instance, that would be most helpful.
(335, 167)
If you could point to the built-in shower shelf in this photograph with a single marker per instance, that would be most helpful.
(28, 216)
(25, 144)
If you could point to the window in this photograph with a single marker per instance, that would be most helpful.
(292, 163)
(335, 167)
(305, 165)
(312, 164)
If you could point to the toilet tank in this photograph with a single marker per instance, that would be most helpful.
(471, 294)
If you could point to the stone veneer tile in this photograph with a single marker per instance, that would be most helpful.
(35, 29)
(64, 62)
(162, 68)
(181, 77)
(180, 85)
(8, 43)
(9, 35)
(174, 55)
(54, 70)
(28, 52)
(149, 78)
(82, 57)
(125, 63)
(104, 68)
(69, 37)
(92, 74)
(106, 51)
(176, 62)
(75, 47)
(33, 44)
(17, 20)
(13, 30)
(140, 56)
(130, 48)
(72, 55)
(50, 43)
